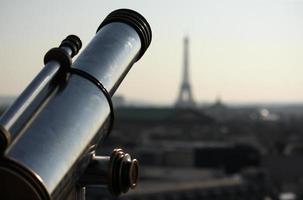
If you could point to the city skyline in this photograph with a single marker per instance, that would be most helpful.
(242, 51)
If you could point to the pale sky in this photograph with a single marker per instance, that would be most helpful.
(244, 51)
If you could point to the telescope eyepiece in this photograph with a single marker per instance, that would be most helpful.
(63, 54)
(73, 42)
(135, 20)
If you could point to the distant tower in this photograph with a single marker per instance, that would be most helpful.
(185, 98)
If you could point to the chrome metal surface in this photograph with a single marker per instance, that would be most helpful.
(27, 104)
(119, 172)
(62, 131)
(97, 171)
(22, 109)
(69, 122)
(68, 50)
(55, 145)
(109, 56)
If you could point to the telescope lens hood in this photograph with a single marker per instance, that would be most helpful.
(17, 182)
(135, 20)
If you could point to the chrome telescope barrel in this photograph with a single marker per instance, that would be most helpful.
(13, 120)
(56, 144)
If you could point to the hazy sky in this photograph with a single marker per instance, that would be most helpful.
(244, 51)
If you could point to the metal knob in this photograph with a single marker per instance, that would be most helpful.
(119, 172)
(123, 172)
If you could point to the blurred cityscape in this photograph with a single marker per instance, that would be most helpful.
(190, 151)
(212, 152)
(242, 51)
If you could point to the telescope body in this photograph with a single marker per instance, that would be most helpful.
(49, 152)
(25, 105)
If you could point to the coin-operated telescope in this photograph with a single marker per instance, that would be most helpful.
(49, 135)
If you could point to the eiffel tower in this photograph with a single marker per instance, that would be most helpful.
(185, 98)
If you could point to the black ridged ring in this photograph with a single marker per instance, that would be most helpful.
(59, 55)
(73, 42)
(135, 20)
